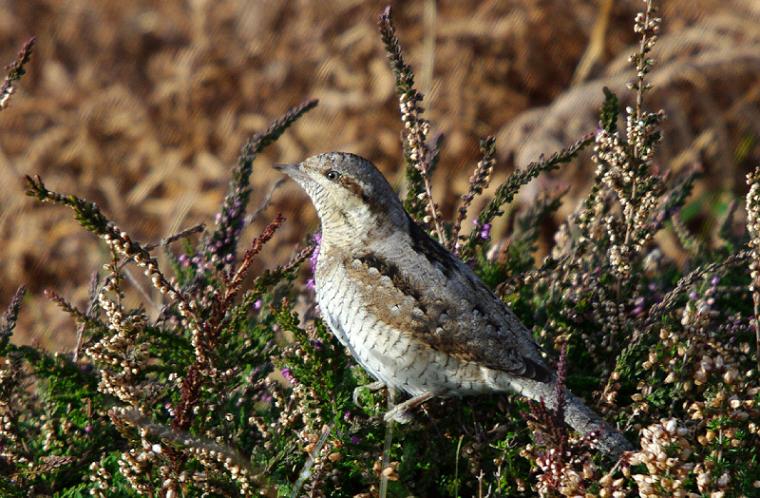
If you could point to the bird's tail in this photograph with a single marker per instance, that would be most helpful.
(577, 415)
(585, 420)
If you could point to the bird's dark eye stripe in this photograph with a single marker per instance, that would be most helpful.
(332, 175)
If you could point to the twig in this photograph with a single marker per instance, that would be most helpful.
(306, 470)
(224, 454)
(177, 236)
(507, 190)
(264, 203)
(386, 460)
(93, 293)
(221, 245)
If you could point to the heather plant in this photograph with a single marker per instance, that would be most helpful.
(231, 388)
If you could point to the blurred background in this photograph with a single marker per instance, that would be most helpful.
(142, 106)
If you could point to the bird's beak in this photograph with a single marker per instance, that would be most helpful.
(288, 169)
(294, 171)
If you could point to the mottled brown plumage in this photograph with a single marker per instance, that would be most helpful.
(412, 314)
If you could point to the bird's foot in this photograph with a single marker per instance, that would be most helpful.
(402, 413)
(374, 386)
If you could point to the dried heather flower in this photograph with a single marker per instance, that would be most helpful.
(753, 227)
(92, 219)
(479, 181)
(624, 164)
(419, 156)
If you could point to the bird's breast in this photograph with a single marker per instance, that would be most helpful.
(381, 318)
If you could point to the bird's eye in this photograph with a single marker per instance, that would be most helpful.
(332, 175)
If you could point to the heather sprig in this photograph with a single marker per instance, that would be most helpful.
(268, 279)
(82, 318)
(9, 317)
(479, 181)
(625, 162)
(15, 70)
(506, 192)
(221, 304)
(753, 227)
(419, 156)
(560, 459)
(88, 215)
(220, 458)
(221, 245)
(12, 451)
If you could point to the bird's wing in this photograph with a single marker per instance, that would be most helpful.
(442, 303)
(480, 328)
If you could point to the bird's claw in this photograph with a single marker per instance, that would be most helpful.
(401, 416)
(374, 386)
(402, 413)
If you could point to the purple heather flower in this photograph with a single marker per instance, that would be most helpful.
(88, 429)
(714, 281)
(638, 306)
(347, 415)
(356, 440)
(484, 231)
(287, 374)
(257, 304)
(317, 239)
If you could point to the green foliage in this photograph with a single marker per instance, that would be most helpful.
(610, 111)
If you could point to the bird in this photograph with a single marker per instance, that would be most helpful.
(412, 314)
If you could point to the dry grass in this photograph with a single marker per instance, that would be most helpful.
(142, 106)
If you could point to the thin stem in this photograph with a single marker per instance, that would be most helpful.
(387, 446)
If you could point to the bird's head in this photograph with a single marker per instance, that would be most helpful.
(350, 195)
